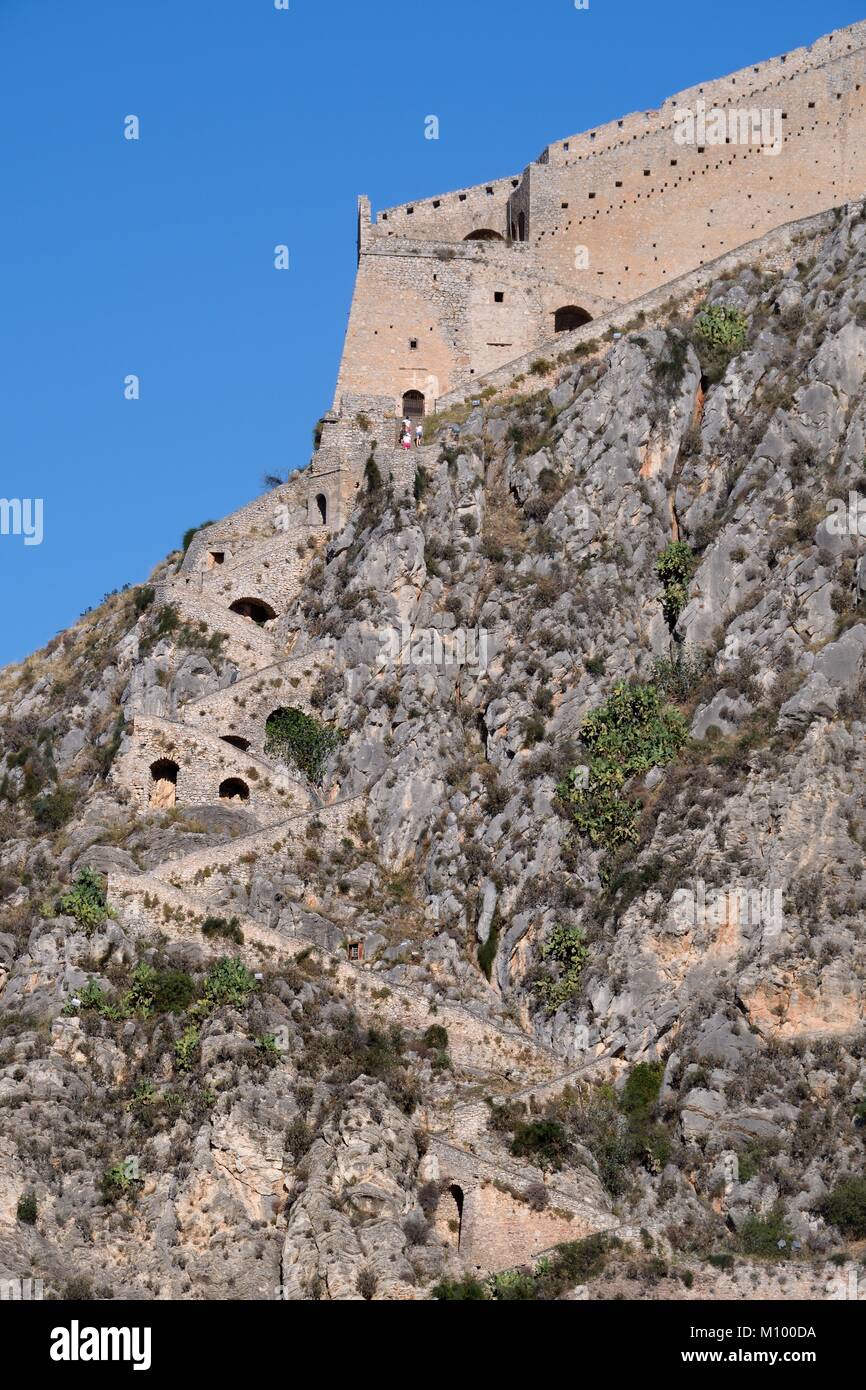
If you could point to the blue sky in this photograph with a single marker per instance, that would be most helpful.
(258, 126)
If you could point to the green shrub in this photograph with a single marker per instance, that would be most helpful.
(566, 948)
(27, 1209)
(55, 808)
(219, 926)
(722, 328)
(228, 982)
(674, 568)
(454, 1290)
(543, 1142)
(186, 1048)
(845, 1207)
(627, 735)
(641, 1090)
(761, 1236)
(299, 739)
(119, 1181)
(85, 901)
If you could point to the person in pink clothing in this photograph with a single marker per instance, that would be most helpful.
(406, 440)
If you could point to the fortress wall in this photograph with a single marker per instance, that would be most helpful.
(475, 1042)
(264, 518)
(678, 207)
(450, 216)
(776, 251)
(646, 208)
(445, 299)
(496, 1228)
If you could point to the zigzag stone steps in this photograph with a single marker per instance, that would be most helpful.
(243, 708)
(247, 645)
(152, 903)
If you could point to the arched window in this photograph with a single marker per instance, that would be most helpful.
(322, 505)
(163, 783)
(413, 405)
(234, 789)
(236, 741)
(570, 316)
(484, 234)
(253, 608)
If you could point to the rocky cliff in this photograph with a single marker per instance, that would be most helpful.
(333, 968)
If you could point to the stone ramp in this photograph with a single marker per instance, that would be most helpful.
(323, 827)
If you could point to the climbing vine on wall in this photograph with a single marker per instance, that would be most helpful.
(298, 739)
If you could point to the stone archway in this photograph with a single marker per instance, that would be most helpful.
(163, 784)
(234, 789)
(484, 234)
(236, 741)
(456, 1193)
(413, 405)
(254, 609)
(570, 316)
(322, 507)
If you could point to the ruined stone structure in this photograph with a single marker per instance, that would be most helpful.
(452, 288)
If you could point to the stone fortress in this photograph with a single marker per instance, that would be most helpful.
(453, 287)
(455, 294)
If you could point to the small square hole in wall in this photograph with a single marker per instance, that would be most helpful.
(673, 164)
(462, 197)
(413, 344)
(499, 296)
(565, 205)
(618, 183)
(489, 192)
(436, 202)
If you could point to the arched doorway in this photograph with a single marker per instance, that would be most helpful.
(236, 741)
(413, 405)
(457, 1194)
(570, 316)
(254, 609)
(322, 506)
(484, 234)
(234, 789)
(163, 783)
